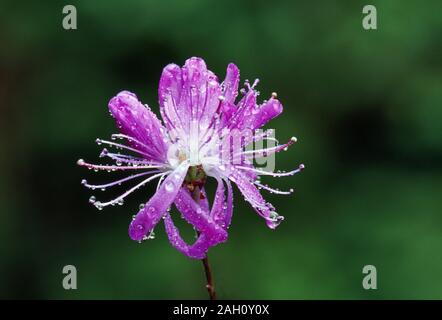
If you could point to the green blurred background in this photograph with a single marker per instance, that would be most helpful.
(366, 107)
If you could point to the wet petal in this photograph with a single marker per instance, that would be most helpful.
(222, 210)
(243, 116)
(229, 207)
(204, 201)
(148, 217)
(231, 83)
(266, 112)
(253, 196)
(174, 114)
(199, 218)
(137, 121)
(197, 250)
(201, 90)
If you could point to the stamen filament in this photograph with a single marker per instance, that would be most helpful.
(273, 190)
(100, 205)
(82, 163)
(278, 174)
(99, 186)
(122, 146)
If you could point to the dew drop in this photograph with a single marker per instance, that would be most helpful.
(169, 186)
(98, 205)
(92, 199)
(103, 153)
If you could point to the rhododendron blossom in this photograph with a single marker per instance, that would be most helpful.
(204, 134)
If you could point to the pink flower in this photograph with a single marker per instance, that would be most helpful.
(200, 118)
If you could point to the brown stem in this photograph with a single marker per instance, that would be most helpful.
(207, 269)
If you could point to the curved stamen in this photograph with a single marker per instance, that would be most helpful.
(129, 138)
(128, 159)
(277, 174)
(265, 187)
(117, 182)
(267, 151)
(82, 163)
(122, 146)
(119, 199)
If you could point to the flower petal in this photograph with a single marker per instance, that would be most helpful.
(252, 195)
(218, 210)
(174, 114)
(148, 217)
(137, 121)
(204, 202)
(197, 250)
(201, 90)
(231, 83)
(266, 112)
(229, 209)
(222, 210)
(199, 218)
(244, 114)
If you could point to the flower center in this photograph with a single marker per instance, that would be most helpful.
(195, 177)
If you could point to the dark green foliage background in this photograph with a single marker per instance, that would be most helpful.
(366, 107)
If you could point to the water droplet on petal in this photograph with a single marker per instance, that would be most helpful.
(169, 186)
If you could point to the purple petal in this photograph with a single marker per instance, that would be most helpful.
(218, 210)
(204, 203)
(221, 210)
(266, 112)
(173, 113)
(201, 90)
(197, 250)
(252, 195)
(189, 94)
(244, 114)
(148, 217)
(137, 121)
(231, 83)
(229, 208)
(199, 218)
